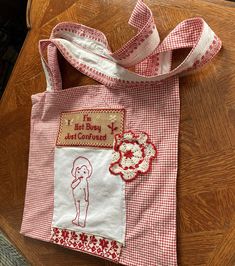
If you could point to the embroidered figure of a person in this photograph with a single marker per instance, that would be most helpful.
(81, 171)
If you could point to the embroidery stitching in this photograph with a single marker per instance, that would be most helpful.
(95, 245)
(90, 127)
(81, 171)
(133, 155)
(210, 53)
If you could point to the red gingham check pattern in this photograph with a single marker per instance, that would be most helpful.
(150, 107)
(140, 15)
(150, 199)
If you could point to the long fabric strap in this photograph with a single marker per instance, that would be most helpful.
(88, 51)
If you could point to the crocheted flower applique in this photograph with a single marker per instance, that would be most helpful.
(133, 155)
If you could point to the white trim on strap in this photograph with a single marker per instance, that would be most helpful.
(47, 76)
(87, 50)
(134, 51)
(77, 55)
(144, 42)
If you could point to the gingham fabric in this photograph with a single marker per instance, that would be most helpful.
(150, 96)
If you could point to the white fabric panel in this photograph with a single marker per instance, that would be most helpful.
(106, 210)
(86, 43)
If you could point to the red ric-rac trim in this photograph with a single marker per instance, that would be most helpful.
(117, 167)
(88, 243)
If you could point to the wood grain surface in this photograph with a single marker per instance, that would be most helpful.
(206, 176)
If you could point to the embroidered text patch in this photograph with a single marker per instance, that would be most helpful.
(93, 127)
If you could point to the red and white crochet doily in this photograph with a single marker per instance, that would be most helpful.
(133, 155)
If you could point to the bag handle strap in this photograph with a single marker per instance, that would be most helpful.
(128, 55)
(143, 43)
(88, 51)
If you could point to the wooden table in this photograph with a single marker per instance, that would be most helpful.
(206, 178)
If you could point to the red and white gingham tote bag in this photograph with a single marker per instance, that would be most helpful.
(103, 158)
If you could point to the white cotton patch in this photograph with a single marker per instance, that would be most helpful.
(105, 214)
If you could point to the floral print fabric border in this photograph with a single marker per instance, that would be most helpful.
(95, 245)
